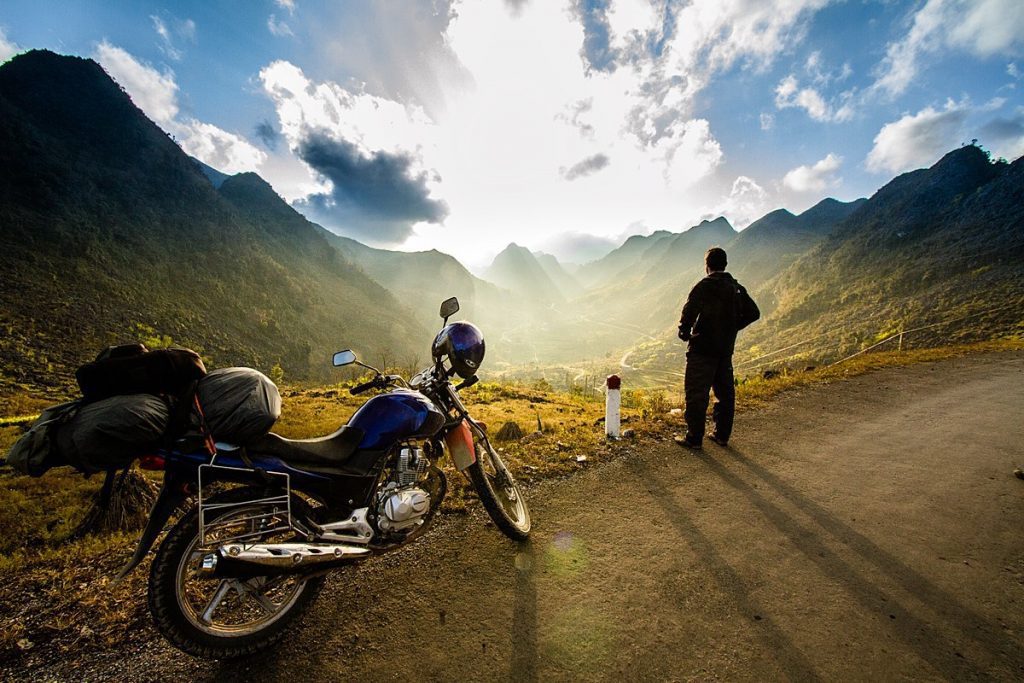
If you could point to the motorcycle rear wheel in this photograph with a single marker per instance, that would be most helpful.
(222, 618)
(500, 493)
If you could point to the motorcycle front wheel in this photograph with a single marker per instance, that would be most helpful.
(218, 618)
(500, 493)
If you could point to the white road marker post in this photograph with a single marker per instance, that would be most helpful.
(612, 406)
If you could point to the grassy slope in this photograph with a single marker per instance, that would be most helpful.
(61, 595)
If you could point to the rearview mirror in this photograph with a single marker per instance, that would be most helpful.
(449, 307)
(345, 357)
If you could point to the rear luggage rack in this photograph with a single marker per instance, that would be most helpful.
(270, 514)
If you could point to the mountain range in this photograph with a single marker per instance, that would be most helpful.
(112, 234)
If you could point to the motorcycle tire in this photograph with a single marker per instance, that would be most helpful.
(167, 592)
(504, 501)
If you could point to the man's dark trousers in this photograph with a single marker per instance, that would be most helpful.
(703, 374)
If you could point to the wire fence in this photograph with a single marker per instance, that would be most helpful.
(901, 333)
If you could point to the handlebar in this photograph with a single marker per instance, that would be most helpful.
(378, 382)
(360, 388)
(466, 384)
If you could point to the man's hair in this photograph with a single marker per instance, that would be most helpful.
(714, 258)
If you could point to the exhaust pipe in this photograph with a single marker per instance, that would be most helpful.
(236, 560)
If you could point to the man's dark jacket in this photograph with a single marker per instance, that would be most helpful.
(717, 308)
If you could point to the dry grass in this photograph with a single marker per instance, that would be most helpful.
(57, 594)
(756, 391)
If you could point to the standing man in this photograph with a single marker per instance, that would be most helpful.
(717, 308)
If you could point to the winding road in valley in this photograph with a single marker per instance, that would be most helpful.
(870, 529)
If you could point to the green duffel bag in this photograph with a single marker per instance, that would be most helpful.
(37, 450)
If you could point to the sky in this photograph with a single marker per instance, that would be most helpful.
(564, 126)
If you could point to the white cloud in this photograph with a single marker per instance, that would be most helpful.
(153, 92)
(1013, 71)
(982, 28)
(815, 178)
(917, 140)
(156, 94)
(724, 31)
(789, 94)
(286, 4)
(693, 153)
(166, 45)
(278, 28)
(374, 123)
(8, 48)
(747, 201)
(817, 71)
(183, 29)
(767, 121)
(216, 147)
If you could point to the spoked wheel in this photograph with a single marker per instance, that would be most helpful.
(501, 495)
(224, 617)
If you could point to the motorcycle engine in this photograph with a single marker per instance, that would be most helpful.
(401, 508)
(402, 503)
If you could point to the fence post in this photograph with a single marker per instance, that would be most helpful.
(901, 340)
(612, 406)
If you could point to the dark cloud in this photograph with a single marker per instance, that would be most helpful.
(586, 167)
(597, 50)
(377, 197)
(267, 134)
(1000, 129)
(516, 6)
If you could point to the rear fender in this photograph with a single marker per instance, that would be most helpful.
(460, 445)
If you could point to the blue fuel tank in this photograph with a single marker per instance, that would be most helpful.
(396, 416)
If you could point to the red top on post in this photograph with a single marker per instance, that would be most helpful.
(613, 382)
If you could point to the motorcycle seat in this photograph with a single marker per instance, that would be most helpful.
(328, 451)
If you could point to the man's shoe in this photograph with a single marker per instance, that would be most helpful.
(686, 443)
(717, 439)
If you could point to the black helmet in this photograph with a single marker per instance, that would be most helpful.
(463, 344)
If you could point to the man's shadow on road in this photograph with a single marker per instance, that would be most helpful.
(923, 638)
(789, 657)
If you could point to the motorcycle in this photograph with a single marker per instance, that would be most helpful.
(273, 518)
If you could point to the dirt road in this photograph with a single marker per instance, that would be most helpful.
(870, 529)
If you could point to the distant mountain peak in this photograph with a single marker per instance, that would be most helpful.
(517, 269)
(512, 246)
(720, 227)
(721, 220)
